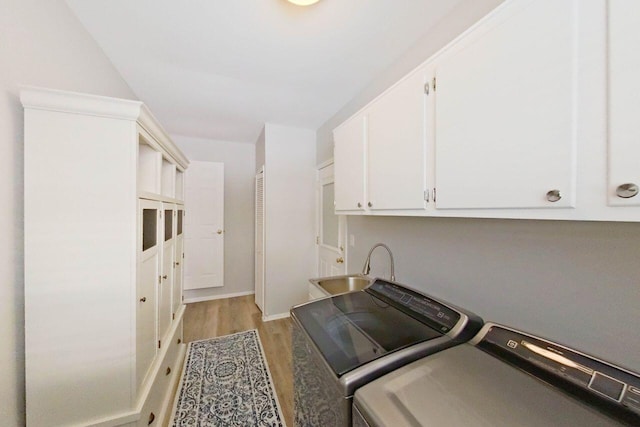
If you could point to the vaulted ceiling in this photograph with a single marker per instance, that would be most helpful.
(219, 69)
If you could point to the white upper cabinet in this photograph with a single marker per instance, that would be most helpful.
(533, 112)
(506, 111)
(624, 103)
(397, 146)
(350, 167)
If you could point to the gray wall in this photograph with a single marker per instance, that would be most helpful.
(42, 44)
(239, 175)
(575, 282)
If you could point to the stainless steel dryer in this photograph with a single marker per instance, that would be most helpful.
(509, 378)
(341, 343)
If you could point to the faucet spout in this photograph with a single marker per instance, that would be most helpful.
(367, 264)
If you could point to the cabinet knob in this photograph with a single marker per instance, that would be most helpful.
(554, 196)
(164, 277)
(143, 299)
(370, 204)
(626, 191)
(168, 371)
(359, 204)
(219, 231)
(152, 418)
(340, 260)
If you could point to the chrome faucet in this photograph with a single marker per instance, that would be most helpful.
(367, 264)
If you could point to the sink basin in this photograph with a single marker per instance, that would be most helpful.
(340, 284)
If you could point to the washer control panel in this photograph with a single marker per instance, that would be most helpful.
(421, 307)
(609, 387)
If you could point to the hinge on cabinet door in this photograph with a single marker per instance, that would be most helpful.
(160, 214)
(426, 88)
(182, 297)
(434, 84)
(426, 195)
(434, 195)
(173, 316)
(159, 280)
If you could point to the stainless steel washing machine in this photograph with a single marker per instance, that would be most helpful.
(508, 378)
(342, 342)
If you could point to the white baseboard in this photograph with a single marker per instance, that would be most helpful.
(214, 297)
(275, 317)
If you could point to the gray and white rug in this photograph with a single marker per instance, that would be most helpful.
(226, 382)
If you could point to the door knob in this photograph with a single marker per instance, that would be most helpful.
(219, 231)
(340, 260)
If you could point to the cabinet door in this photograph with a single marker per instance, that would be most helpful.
(168, 257)
(148, 253)
(506, 110)
(176, 295)
(396, 146)
(349, 163)
(624, 103)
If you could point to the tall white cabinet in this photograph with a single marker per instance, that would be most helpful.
(103, 206)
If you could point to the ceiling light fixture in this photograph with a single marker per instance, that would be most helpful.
(303, 2)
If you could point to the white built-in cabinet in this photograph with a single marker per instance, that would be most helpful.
(350, 164)
(396, 145)
(103, 276)
(509, 120)
(624, 103)
(506, 112)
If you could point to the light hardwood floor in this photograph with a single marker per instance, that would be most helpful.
(227, 316)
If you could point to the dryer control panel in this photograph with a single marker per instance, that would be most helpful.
(608, 387)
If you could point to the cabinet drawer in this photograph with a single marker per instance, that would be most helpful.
(157, 409)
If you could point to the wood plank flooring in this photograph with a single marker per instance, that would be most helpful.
(227, 316)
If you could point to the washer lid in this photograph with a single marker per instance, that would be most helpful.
(355, 328)
(463, 386)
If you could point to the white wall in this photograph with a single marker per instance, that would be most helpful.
(239, 175)
(260, 151)
(290, 216)
(574, 282)
(42, 45)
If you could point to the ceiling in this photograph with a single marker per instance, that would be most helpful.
(220, 69)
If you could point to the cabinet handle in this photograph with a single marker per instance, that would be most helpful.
(340, 260)
(143, 299)
(219, 231)
(152, 418)
(370, 204)
(359, 204)
(168, 371)
(164, 277)
(553, 196)
(626, 191)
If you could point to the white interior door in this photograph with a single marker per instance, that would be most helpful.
(204, 226)
(259, 247)
(331, 228)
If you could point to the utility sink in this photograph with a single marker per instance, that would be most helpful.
(340, 284)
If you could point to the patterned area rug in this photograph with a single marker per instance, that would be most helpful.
(226, 382)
